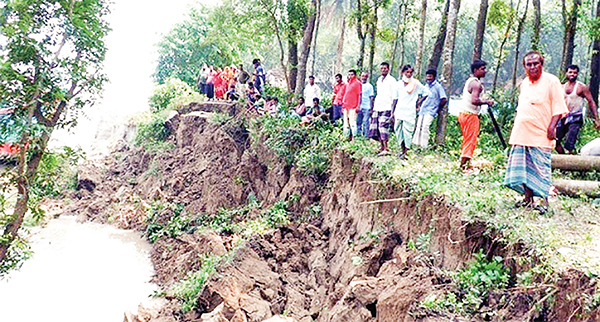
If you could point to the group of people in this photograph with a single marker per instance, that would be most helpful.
(364, 113)
(549, 115)
(231, 82)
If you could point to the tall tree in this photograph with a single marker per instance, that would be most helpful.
(503, 17)
(570, 24)
(422, 22)
(520, 27)
(478, 46)
(595, 62)
(362, 29)
(399, 38)
(436, 53)
(314, 56)
(52, 66)
(307, 37)
(372, 36)
(447, 55)
(537, 25)
(339, 57)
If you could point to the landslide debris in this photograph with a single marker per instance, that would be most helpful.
(349, 260)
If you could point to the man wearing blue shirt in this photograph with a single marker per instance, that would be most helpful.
(366, 105)
(429, 108)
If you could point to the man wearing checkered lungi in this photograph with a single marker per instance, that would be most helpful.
(385, 102)
(541, 105)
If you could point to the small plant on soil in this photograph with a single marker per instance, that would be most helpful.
(152, 133)
(188, 289)
(166, 220)
(472, 284)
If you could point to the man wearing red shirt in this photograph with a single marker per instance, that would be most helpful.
(338, 96)
(350, 104)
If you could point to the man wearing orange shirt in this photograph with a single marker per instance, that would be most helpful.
(541, 105)
(338, 96)
(350, 103)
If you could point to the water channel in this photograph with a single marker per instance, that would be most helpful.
(79, 272)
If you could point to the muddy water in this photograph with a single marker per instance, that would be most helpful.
(79, 272)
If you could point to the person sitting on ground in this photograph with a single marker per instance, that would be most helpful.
(232, 94)
(251, 92)
(259, 104)
(300, 109)
(314, 113)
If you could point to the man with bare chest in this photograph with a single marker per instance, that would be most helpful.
(576, 93)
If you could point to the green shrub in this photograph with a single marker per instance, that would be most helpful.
(473, 285)
(189, 288)
(166, 220)
(165, 94)
(152, 132)
(57, 172)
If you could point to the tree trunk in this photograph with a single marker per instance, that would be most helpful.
(518, 43)
(419, 58)
(500, 58)
(575, 162)
(402, 37)
(576, 188)
(537, 25)
(570, 23)
(362, 37)
(339, 57)
(398, 26)
(595, 63)
(292, 64)
(314, 56)
(306, 45)
(372, 34)
(447, 55)
(436, 54)
(478, 46)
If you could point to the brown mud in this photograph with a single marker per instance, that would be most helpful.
(351, 263)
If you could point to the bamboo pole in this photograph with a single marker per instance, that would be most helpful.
(575, 162)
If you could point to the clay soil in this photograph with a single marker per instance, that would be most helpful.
(350, 263)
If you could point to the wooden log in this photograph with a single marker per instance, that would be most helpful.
(575, 162)
(577, 188)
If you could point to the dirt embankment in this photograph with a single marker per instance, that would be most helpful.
(349, 264)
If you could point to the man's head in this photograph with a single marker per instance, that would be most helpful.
(311, 80)
(301, 100)
(364, 77)
(351, 74)
(384, 68)
(241, 67)
(315, 101)
(338, 78)
(479, 68)
(430, 75)
(407, 71)
(533, 63)
(572, 73)
(256, 61)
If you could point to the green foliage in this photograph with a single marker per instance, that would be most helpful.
(308, 147)
(473, 285)
(172, 93)
(18, 252)
(57, 172)
(166, 220)
(50, 67)
(189, 289)
(152, 132)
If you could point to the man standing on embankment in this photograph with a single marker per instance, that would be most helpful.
(541, 105)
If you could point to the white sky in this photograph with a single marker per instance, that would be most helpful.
(137, 25)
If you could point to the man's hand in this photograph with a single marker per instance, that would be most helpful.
(490, 103)
(551, 133)
(597, 124)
